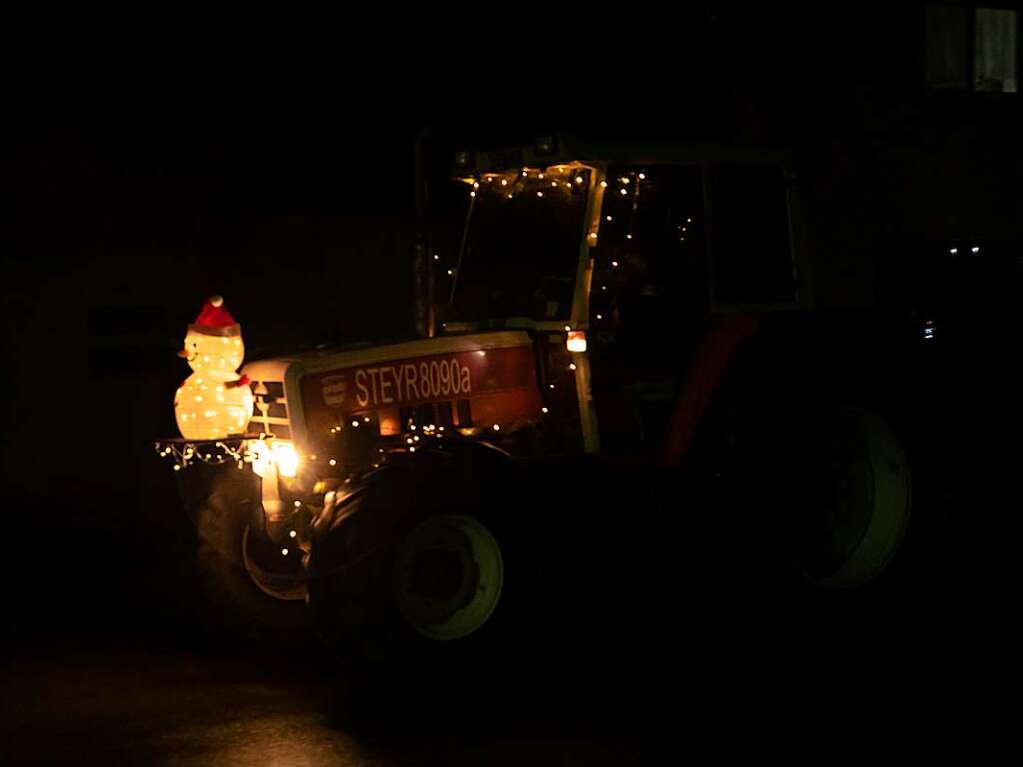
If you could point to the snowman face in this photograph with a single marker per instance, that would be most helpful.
(213, 354)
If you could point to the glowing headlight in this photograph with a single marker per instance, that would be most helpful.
(260, 456)
(286, 458)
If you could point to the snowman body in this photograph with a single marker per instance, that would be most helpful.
(211, 403)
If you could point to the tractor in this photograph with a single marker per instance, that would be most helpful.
(620, 409)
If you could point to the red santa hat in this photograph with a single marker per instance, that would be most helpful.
(215, 320)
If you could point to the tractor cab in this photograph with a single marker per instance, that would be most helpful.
(626, 253)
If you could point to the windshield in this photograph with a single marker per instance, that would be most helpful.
(512, 243)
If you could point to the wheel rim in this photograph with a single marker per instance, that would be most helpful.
(288, 583)
(448, 576)
(868, 521)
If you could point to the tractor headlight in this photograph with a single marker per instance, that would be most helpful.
(283, 454)
(286, 458)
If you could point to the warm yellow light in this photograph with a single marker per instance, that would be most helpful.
(292, 534)
(576, 342)
(355, 422)
(298, 504)
(539, 194)
(578, 179)
(472, 194)
(603, 185)
(332, 462)
(284, 552)
(286, 458)
(260, 457)
(209, 357)
(504, 182)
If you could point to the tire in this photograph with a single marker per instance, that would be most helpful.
(246, 598)
(362, 560)
(837, 594)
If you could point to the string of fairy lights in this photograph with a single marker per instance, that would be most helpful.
(216, 453)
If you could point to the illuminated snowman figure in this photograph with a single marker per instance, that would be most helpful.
(213, 402)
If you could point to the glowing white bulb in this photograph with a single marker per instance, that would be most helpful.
(539, 194)
(365, 419)
(355, 423)
(975, 249)
(603, 185)
(504, 182)
(436, 257)
(284, 552)
(450, 272)
(497, 427)
(571, 366)
(628, 236)
(614, 263)
(472, 194)
(953, 251)
(642, 176)
(579, 179)
(543, 410)
(332, 462)
(600, 316)
(624, 191)
(475, 184)
(608, 218)
(292, 534)
(298, 504)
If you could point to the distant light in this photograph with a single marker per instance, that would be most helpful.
(472, 194)
(624, 191)
(365, 419)
(539, 194)
(628, 236)
(284, 552)
(600, 316)
(355, 422)
(292, 534)
(436, 257)
(975, 249)
(953, 251)
(450, 272)
(497, 427)
(332, 462)
(504, 182)
(603, 185)
(609, 218)
(543, 410)
(579, 179)
(571, 366)
(568, 328)
(624, 179)
(298, 504)
(475, 184)
(689, 220)
(642, 176)
(614, 263)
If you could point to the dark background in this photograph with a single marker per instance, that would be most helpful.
(136, 195)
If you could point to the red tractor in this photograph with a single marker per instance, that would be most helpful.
(619, 396)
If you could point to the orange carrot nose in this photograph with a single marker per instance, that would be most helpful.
(183, 353)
